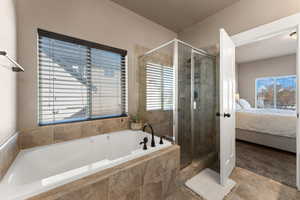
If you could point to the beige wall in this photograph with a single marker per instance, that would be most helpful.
(100, 21)
(7, 77)
(241, 16)
(248, 72)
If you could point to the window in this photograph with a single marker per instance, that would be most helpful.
(159, 87)
(276, 92)
(79, 80)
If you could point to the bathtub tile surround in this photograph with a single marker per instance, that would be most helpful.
(36, 137)
(96, 191)
(8, 153)
(151, 177)
(160, 176)
(51, 134)
(126, 183)
(67, 132)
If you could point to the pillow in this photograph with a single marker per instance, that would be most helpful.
(238, 106)
(244, 104)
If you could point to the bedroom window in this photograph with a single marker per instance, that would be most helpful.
(79, 80)
(159, 87)
(276, 92)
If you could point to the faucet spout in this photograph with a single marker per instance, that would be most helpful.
(152, 134)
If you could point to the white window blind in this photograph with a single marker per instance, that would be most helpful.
(79, 80)
(159, 87)
(107, 77)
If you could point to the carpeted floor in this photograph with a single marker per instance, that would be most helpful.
(272, 163)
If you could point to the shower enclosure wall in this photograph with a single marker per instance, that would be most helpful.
(178, 96)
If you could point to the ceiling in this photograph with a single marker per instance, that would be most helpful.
(175, 15)
(275, 46)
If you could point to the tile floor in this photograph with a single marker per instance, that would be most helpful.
(250, 186)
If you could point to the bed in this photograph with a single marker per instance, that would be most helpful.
(270, 127)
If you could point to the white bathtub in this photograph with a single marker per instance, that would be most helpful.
(39, 169)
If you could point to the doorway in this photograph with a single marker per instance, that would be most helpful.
(257, 34)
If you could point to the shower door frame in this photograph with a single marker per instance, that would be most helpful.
(175, 83)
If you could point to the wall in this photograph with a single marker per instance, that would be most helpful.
(100, 21)
(7, 77)
(248, 72)
(236, 18)
(8, 144)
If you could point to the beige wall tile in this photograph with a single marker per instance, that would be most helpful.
(44, 135)
(153, 191)
(125, 183)
(124, 123)
(96, 191)
(91, 128)
(36, 137)
(67, 132)
(109, 125)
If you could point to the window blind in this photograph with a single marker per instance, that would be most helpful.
(108, 83)
(79, 80)
(159, 87)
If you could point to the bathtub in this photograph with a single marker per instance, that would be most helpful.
(40, 169)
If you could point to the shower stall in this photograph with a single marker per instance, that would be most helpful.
(178, 96)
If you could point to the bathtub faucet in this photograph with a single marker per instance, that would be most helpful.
(152, 134)
(145, 140)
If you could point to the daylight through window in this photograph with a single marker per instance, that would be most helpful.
(79, 80)
(276, 92)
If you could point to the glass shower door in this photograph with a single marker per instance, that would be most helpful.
(203, 104)
(196, 125)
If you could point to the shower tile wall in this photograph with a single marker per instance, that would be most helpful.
(205, 112)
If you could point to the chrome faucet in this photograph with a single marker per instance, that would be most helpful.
(152, 134)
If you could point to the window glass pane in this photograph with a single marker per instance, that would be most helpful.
(106, 83)
(159, 87)
(286, 93)
(265, 93)
(153, 86)
(78, 81)
(63, 81)
(167, 88)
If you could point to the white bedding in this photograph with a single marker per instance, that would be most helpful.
(272, 121)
